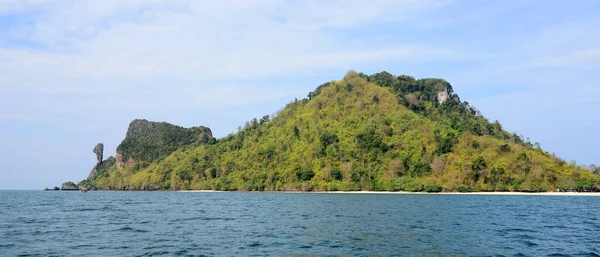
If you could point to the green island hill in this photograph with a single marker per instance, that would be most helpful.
(372, 133)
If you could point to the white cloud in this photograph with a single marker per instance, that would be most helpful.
(96, 59)
(567, 60)
(139, 39)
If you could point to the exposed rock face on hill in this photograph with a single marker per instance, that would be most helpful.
(99, 151)
(442, 96)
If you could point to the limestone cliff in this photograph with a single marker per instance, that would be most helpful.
(147, 141)
(144, 143)
(99, 151)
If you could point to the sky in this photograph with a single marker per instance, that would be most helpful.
(75, 73)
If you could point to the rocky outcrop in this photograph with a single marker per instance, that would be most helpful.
(123, 162)
(444, 91)
(474, 111)
(442, 96)
(69, 186)
(148, 141)
(99, 151)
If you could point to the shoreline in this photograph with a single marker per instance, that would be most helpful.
(408, 193)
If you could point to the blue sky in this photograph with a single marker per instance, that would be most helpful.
(75, 73)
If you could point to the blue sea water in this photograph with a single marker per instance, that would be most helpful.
(38, 223)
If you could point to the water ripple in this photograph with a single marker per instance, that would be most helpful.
(264, 224)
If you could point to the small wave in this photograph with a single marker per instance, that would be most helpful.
(75, 247)
(159, 253)
(197, 255)
(277, 244)
(7, 245)
(183, 252)
(29, 221)
(589, 254)
(529, 243)
(130, 229)
(108, 208)
(525, 236)
(38, 232)
(87, 209)
(155, 247)
(201, 218)
(113, 248)
(188, 219)
(255, 244)
(556, 227)
(519, 230)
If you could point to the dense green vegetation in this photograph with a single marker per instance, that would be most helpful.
(149, 141)
(69, 185)
(377, 132)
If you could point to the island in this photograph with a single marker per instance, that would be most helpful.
(377, 132)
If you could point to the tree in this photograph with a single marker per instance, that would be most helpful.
(375, 99)
(446, 144)
(336, 173)
(369, 140)
(326, 140)
(296, 132)
(321, 87)
(264, 119)
(497, 126)
(505, 148)
(411, 100)
(421, 169)
(478, 164)
(383, 78)
(304, 174)
(518, 139)
(404, 83)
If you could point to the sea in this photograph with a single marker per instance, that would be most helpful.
(107, 223)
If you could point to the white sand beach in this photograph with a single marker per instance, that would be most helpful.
(474, 193)
(415, 193)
